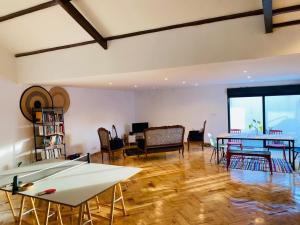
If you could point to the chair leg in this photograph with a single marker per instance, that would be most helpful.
(102, 155)
(270, 165)
(202, 146)
(212, 154)
(228, 156)
(188, 145)
(284, 156)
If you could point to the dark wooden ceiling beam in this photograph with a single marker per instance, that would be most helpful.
(268, 15)
(82, 21)
(285, 24)
(288, 9)
(176, 26)
(28, 10)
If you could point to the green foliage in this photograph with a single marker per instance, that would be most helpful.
(256, 124)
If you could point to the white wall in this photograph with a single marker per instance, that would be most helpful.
(94, 108)
(7, 65)
(16, 139)
(188, 107)
(89, 109)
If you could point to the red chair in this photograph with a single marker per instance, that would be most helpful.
(235, 142)
(276, 144)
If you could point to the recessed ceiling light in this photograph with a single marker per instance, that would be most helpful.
(184, 82)
(196, 84)
(245, 71)
(249, 77)
(166, 78)
(110, 83)
(135, 86)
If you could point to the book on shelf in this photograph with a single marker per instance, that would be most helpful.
(38, 117)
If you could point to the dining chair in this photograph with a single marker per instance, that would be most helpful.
(105, 144)
(276, 144)
(197, 136)
(235, 142)
(213, 144)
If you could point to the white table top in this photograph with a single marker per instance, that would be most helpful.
(74, 186)
(280, 137)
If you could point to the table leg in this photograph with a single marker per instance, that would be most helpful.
(112, 207)
(80, 214)
(88, 211)
(290, 161)
(122, 199)
(293, 154)
(59, 214)
(217, 150)
(34, 211)
(11, 205)
(47, 213)
(21, 209)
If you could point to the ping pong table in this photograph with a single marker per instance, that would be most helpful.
(76, 182)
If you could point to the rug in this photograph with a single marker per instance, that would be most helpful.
(279, 165)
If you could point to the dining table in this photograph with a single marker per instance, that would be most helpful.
(282, 138)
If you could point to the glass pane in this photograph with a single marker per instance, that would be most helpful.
(283, 113)
(244, 111)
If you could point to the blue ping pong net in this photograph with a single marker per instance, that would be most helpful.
(45, 173)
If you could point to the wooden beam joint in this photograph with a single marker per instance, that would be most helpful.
(82, 21)
(268, 15)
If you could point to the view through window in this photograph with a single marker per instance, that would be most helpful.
(281, 113)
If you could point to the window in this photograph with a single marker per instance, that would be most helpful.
(244, 110)
(275, 107)
(283, 113)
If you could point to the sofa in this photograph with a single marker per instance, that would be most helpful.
(162, 139)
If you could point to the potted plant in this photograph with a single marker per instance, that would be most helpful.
(257, 125)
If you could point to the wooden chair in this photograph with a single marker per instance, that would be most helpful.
(197, 136)
(105, 144)
(277, 144)
(235, 142)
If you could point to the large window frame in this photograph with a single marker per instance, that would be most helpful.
(261, 91)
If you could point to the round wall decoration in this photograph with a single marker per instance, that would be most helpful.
(60, 98)
(34, 97)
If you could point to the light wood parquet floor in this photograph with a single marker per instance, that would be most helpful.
(172, 190)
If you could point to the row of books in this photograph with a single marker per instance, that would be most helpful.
(51, 154)
(50, 130)
(48, 117)
(53, 140)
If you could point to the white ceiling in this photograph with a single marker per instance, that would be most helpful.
(246, 72)
(53, 27)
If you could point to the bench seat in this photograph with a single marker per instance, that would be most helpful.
(264, 154)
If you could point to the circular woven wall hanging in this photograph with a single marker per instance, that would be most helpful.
(60, 98)
(34, 97)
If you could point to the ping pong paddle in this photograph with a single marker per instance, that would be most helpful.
(46, 192)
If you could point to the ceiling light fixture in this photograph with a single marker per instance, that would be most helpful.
(166, 78)
(245, 71)
(184, 82)
(196, 84)
(135, 86)
(110, 83)
(249, 77)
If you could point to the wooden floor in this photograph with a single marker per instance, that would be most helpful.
(191, 190)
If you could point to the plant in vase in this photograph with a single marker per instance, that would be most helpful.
(257, 125)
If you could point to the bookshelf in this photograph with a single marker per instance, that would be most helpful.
(49, 133)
